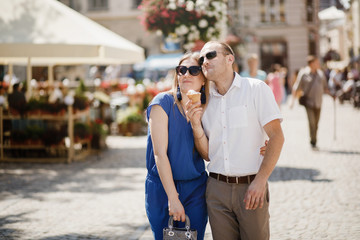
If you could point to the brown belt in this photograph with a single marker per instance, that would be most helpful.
(244, 179)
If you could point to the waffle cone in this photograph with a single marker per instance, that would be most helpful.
(194, 97)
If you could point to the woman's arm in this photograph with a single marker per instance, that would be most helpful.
(158, 122)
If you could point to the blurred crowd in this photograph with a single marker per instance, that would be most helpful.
(343, 82)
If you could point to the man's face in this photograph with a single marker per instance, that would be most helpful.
(253, 63)
(315, 64)
(212, 59)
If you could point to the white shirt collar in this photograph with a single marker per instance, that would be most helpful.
(236, 83)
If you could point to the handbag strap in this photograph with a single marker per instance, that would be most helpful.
(187, 222)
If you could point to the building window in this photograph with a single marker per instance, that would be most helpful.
(282, 11)
(98, 5)
(72, 4)
(272, 11)
(273, 52)
(309, 10)
(262, 10)
(136, 3)
(312, 43)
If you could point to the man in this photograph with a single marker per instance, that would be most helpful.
(312, 82)
(17, 99)
(239, 115)
(254, 72)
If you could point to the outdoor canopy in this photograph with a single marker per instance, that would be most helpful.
(50, 33)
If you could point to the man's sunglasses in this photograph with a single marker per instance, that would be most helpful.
(209, 56)
(193, 70)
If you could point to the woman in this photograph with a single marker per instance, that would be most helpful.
(176, 180)
(275, 80)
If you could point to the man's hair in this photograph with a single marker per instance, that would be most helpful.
(310, 59)
(253, 56)
(225, 46)
(16, 86)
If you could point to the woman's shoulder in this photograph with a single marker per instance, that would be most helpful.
(163, 96)
(164, 99)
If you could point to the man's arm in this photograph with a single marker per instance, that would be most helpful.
(254, 196)
(201, 143)
(297, 90)
(194, 113)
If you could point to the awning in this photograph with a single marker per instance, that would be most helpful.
(49, 32)
(159, 62)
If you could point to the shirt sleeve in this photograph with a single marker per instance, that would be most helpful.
(164, 100)
(297, 85)
(265, 104)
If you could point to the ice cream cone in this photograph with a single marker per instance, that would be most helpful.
(193, 96)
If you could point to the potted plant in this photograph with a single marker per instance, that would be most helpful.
(34, 133)
(54, 137)
(130, 121)
(184, 22)
(18, 137)
(99, 131)
(80, 103)
(81, 131)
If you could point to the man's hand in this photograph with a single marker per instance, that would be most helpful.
(255, 194)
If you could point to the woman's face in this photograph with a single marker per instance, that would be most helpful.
(186, 80)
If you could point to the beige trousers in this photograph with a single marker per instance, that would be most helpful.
(229, 220)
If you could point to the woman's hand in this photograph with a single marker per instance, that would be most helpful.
(263, 148)
(193, 112)
(176, 210)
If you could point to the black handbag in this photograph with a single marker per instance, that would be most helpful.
(303, 100)
(172, 233)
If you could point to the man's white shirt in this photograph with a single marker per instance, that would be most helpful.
(234, 124)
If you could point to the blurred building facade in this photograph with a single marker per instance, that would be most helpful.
(280, 31)
(354, 21)
(334, 41)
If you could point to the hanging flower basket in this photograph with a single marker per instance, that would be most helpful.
(188, 20)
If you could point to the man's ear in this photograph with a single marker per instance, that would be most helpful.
(230, 59)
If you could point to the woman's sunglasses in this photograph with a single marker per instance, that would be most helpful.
(193, 70)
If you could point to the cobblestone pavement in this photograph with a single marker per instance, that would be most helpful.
(314, 194)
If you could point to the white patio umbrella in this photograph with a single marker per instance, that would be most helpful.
(46, 32)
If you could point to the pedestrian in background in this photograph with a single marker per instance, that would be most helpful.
(312, 82)
(275, 80)
(176, 179)
(254, 71)
(240, 115)
(17, 100)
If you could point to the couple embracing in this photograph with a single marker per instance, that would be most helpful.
(227, 128)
